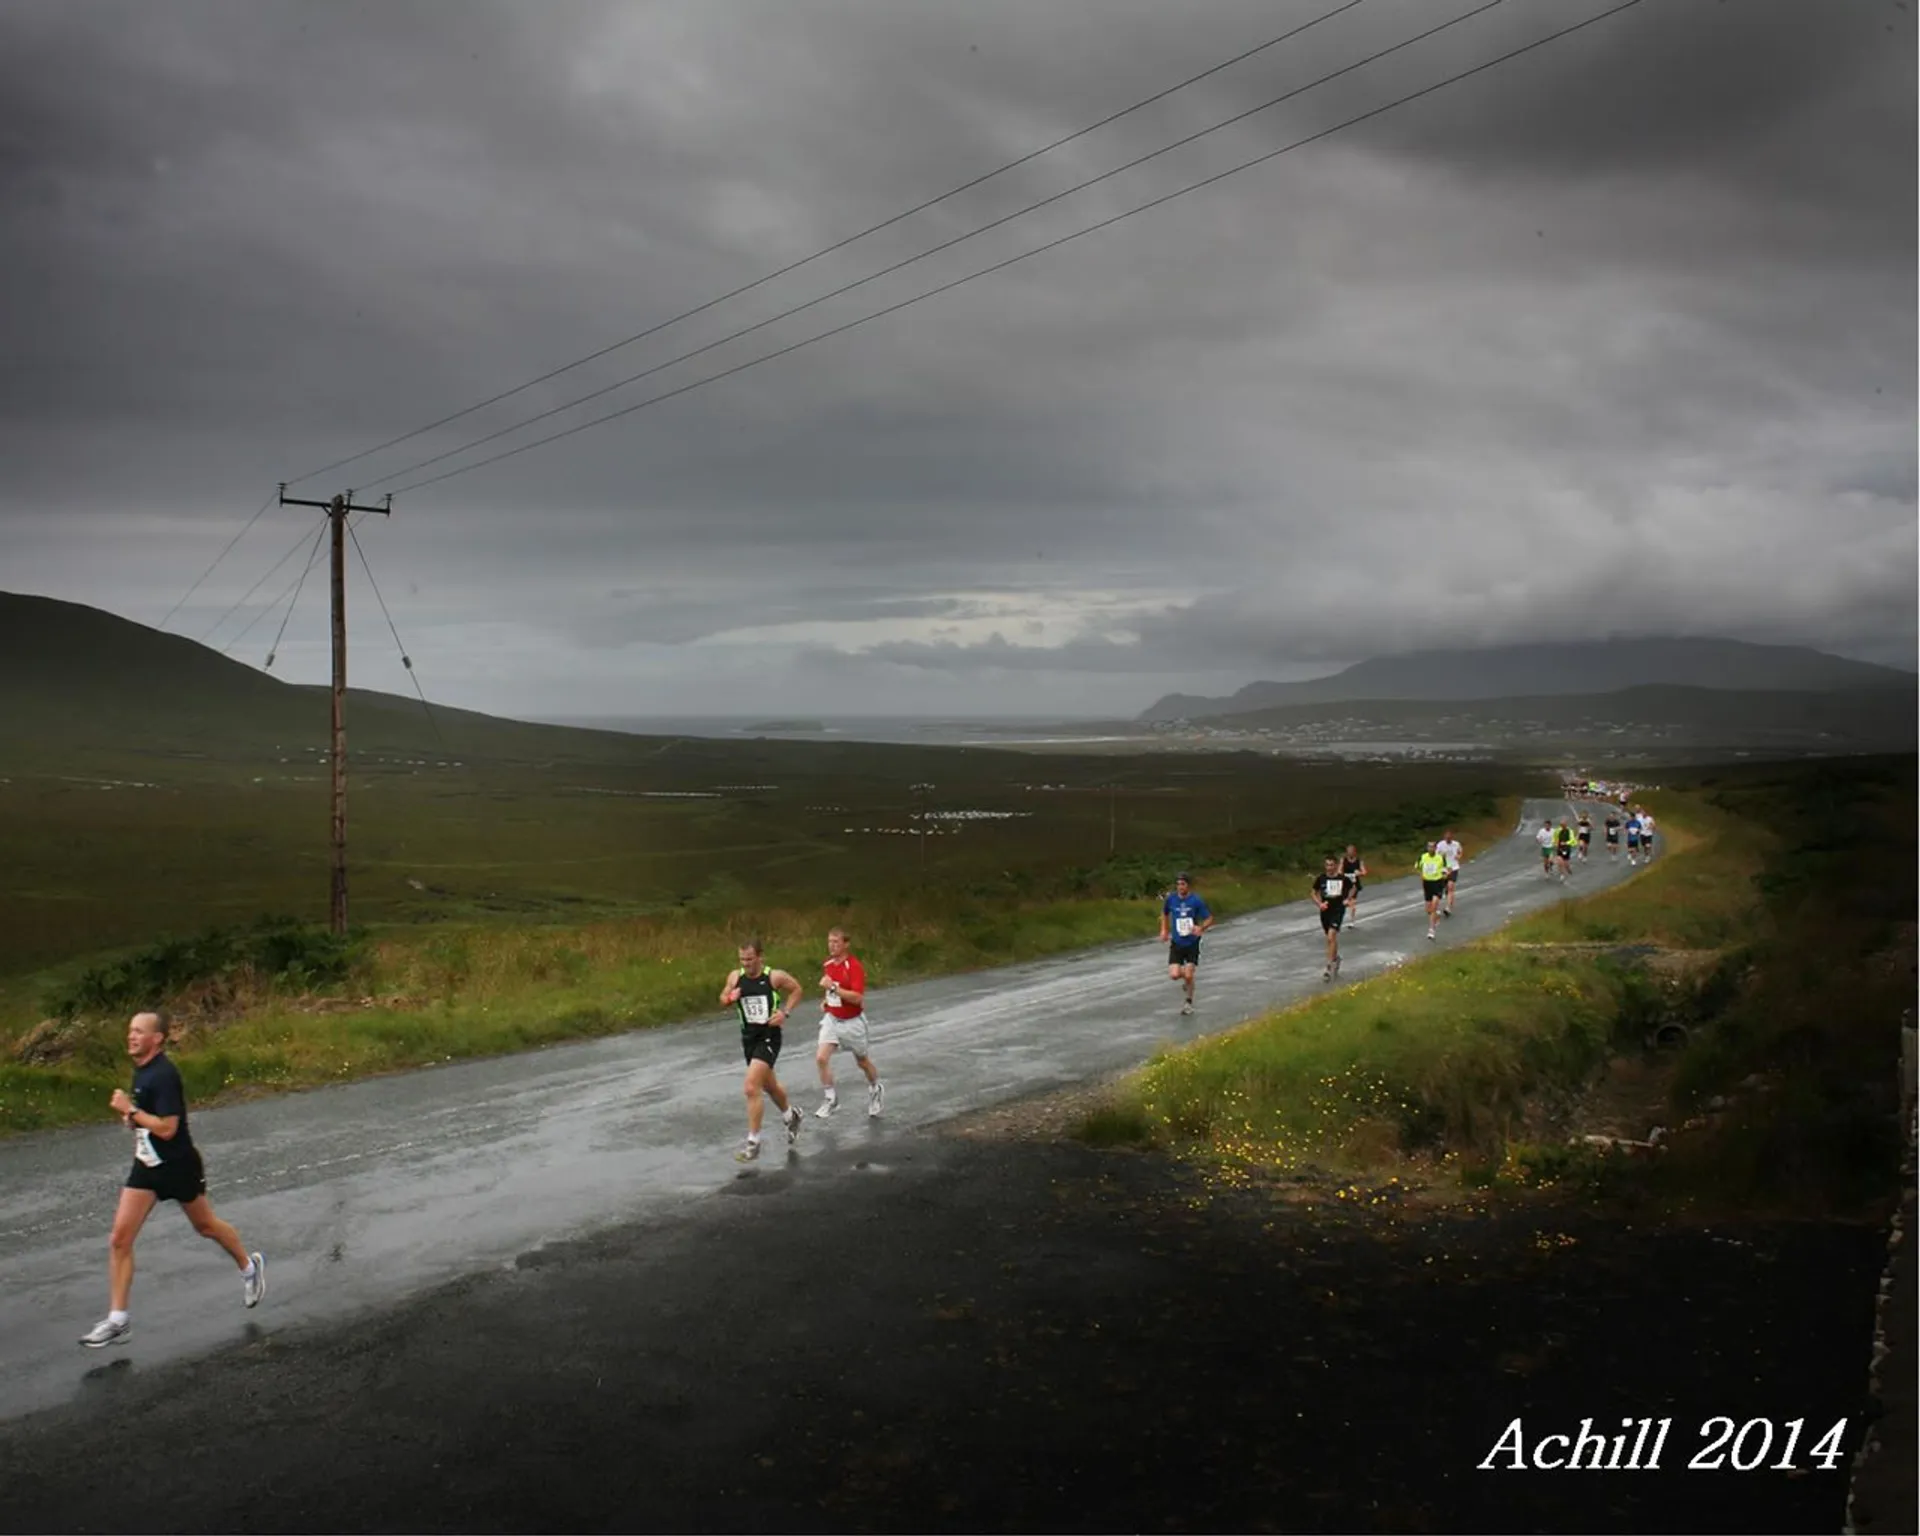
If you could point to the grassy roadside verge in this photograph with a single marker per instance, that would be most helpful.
(1474, 1066)
(450, 992)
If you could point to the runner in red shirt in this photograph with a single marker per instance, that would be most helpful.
(844, 982)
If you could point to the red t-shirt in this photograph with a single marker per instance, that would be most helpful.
(849, 973)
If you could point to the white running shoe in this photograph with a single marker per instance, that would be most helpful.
(749, 1153)
(794, 1121)
(826, 1109)
(254, 1286)
(1187, 1007)
(106, 1332)
(1431, 934)
(1326, 973)
(876, 1096)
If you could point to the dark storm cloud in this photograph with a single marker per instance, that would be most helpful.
(1636, 310)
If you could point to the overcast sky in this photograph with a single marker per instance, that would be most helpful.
(1618, 337)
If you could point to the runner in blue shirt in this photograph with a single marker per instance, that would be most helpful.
(1183, 918)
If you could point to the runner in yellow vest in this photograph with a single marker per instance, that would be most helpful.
(1433, 885)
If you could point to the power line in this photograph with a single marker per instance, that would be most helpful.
(406, 661)
(285, 618)
(935, 250)
(207, 638)
(298, 582)
(216, 561)
(999, 266)
(839, 245)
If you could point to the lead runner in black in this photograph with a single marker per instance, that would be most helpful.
(166, 1166)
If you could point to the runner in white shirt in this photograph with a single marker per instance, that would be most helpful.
(1646, 835)
(1544, 837)
(1449, 848)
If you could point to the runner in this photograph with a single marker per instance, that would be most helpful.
(1184, 917)
(1354, 868)
(1585, 830)
(1563, 846)
(1613, 833)
(1449, 849)
(1433, 885)
(1544, 837)
(1633, 837)
(843, 979)
(751, 989)
(166, 1166)
(1333, 894)
(1646, 835)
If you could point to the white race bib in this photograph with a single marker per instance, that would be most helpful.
(1334, 888)
(143, 1152)
(833, 997)
(757, 1009)
(1183, 926)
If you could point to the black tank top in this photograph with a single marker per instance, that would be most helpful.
(1350, 867)
(756, 1003)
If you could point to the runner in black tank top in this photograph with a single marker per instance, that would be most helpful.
(1353, 867)
(764, 999)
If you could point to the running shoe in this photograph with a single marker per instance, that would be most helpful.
(749, 1153)
(1186, 1007)
(1431, 934)
(1446, 911)
(794, 1121)
(254, 1286)
(106, 1332)
(876, 1096)
(1327, 974)
(826, 1109)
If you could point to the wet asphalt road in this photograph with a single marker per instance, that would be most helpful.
(368, 1193)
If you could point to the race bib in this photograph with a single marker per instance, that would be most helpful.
(1183, 926)
(143, 1152)
(1334, 889)
(757, 1009)
(833, 997)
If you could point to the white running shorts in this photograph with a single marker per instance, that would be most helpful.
(849, 1033)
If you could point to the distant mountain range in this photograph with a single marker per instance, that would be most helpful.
(1570, 670)
(74, 679)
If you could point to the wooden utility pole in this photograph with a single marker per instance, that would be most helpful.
(337, 509)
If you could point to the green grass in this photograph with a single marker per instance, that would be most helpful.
(1440, 1056)
(1472, 1058)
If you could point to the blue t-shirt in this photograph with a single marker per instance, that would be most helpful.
(1185, 914)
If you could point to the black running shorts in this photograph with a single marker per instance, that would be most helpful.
(1332, 916)
(1184, 954)
(761, 1042)
(1433, 888)
(182, 1179)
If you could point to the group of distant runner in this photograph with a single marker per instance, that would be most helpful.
(1561, 845)
(1185, 915)
(167, 1166)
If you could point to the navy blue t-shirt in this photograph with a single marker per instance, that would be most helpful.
(1185, 914)
(157, 1090)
